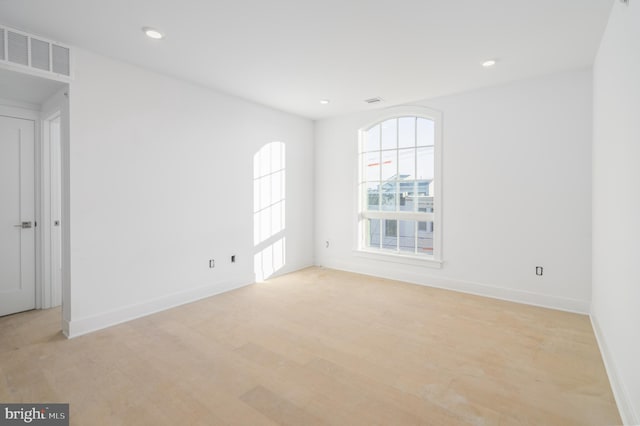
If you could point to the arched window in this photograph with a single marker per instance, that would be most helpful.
(400, 186)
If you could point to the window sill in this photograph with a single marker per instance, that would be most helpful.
(407, 259)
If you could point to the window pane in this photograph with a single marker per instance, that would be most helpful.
(373, 233)
(426, 132)
(388, 194)
(423, 187)
(390, 134)
(425, 163)
(407, 235)
(424, 200)
(425, 237)
(389, 164)
(372, 140)
(373, 195)
(390, 232)
(406, 163)
(372, 166)
(407, 132)
(407, 197)
(428, 204)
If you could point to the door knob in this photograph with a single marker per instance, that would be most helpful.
(23, 225)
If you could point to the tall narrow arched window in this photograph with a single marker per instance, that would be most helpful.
(400, 186)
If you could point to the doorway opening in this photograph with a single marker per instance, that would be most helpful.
(51, 289)
(34, 140)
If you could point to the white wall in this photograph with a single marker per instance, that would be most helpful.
(616, 205)
(517, 193)
(161, 182)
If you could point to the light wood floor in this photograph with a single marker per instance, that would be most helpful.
(317, 347)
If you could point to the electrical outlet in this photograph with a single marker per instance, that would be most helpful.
(539, 271)
(212, 263)
(326, 244)
(233, 258)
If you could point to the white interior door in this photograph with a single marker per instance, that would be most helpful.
(17, 215)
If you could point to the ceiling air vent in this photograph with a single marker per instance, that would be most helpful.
(61, 59)
(18, 48)
(373, 100)
(40, 54)
(34, 53)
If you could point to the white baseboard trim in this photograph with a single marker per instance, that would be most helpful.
(78, 327)
(518, 296)
(627, 412)
(478, 289)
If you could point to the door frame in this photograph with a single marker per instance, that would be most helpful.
(56, 105)
(45, 297)
(59, 103)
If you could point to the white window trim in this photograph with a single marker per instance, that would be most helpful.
(435, 260)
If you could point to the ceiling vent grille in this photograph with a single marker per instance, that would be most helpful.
(34, 54)
(373, 100)
(40, 54)
(61, 59)
(18, 48)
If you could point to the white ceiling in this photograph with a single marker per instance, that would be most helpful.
(289, 54)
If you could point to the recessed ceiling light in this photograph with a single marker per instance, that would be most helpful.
(489, 63)
(152, 33)
(324, 101)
